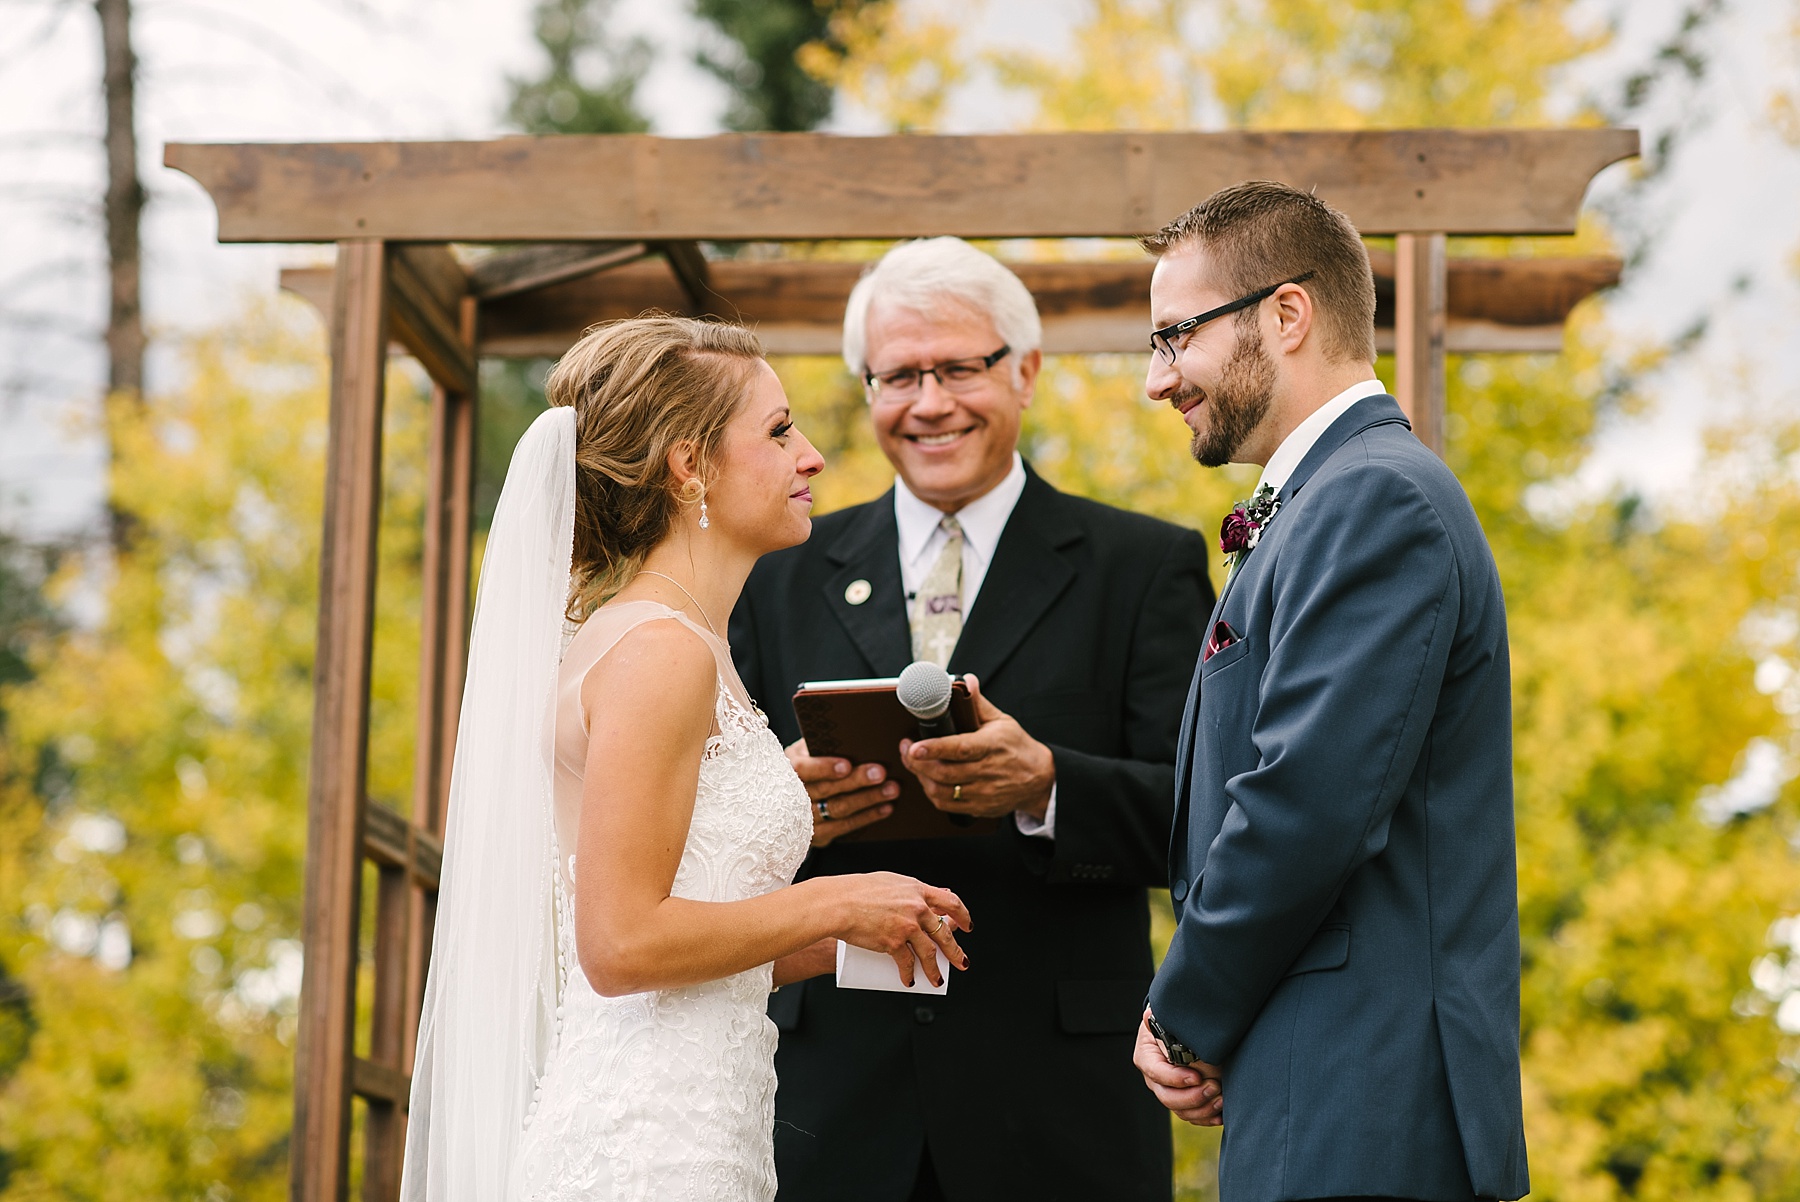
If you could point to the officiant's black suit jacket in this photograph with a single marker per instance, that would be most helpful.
(1086, 629)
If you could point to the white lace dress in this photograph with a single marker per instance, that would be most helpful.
(669, 1095)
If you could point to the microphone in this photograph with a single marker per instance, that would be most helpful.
(924, 692)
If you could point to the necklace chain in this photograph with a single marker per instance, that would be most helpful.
(685, 593)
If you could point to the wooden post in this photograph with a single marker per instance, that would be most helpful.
(319, 1153)
(444, 634)
(384, 1134)
(407, 905)
(444, 640)
(1420, 305)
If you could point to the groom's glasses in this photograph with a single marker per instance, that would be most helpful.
(1169, 340)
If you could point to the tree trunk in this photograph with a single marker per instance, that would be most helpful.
(124, 203)
(124, 211)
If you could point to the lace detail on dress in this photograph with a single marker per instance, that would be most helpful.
(671, 1095)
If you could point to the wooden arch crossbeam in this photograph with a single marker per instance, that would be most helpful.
(797, 306)
(393, 208)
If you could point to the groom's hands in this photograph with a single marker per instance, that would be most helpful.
(1194, 1092)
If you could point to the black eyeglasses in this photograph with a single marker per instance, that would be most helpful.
(957, 377)
(1162, 342)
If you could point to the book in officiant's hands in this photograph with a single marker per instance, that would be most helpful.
(863, 721)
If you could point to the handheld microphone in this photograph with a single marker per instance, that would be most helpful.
(924, 692)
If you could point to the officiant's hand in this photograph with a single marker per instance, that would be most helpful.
(1193, 1092)
(845, 796)
(999, 768)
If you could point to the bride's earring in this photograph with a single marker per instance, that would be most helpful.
(704, 520)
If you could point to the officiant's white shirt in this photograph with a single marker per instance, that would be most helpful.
(1301, 438)
(983, 521)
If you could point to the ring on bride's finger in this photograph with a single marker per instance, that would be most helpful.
(824, 812)
(942, 919)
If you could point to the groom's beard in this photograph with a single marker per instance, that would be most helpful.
(1237, 404)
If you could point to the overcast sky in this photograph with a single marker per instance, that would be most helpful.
(328, 69)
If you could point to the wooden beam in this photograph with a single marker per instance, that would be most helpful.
(378, 1082)
(1420, 306)
(425, 320)
(392, 842)
(691, 271)
(797, 306)
(1508, 292)
(528, 267)
(1463, 336)
(437, 271)
(319, 1156)
(742, 187)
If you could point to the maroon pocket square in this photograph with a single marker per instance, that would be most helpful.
(1222, 637)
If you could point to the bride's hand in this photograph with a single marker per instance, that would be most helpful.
(906, 918)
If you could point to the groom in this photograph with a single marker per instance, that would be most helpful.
(1346, 966)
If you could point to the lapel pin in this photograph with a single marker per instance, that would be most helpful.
(857, 591)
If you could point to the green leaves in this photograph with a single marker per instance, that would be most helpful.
(590, 83)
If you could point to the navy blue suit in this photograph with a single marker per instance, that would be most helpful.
(1342, 860)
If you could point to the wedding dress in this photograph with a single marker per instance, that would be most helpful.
(526, 1083)
(668, 1095)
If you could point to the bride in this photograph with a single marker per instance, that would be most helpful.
(623, 827)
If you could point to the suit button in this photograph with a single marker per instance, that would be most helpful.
(1178, 891)
(924, 1016)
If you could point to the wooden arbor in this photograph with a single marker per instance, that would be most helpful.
(617, 222)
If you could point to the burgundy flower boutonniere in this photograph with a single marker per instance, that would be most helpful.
(1243, 527)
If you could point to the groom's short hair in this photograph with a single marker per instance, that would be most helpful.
(1261, 232)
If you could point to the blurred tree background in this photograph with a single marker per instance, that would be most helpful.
(152, 766)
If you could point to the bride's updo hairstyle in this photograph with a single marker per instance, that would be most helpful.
(639, 388)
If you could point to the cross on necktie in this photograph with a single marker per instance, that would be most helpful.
(937, 610)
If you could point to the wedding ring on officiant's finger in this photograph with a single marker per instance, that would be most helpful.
(956, 793)
(824, 809)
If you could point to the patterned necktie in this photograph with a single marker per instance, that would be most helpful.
(937, 610)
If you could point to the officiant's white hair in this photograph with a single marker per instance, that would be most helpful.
(921, 275)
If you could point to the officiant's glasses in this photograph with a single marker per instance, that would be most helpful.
(1163, 342)
(958, 377)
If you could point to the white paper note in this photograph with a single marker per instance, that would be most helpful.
(859, 968)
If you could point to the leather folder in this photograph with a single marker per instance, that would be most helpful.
(863, 721)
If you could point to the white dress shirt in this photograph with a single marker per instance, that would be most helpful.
(983, 520)
(1301, 438)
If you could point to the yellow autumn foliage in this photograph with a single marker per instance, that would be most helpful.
(152, 785)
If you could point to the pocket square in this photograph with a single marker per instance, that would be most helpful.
(1222, 637)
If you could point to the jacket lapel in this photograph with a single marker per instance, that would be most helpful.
(1366, 413)
(1370, 411)
(1027, 576)
(869, 550)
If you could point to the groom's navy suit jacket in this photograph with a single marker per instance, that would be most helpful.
(1343, 853)
(1020, 1080)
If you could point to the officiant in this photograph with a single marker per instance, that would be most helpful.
(1082, 624)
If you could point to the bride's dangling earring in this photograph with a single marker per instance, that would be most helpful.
(704, 520)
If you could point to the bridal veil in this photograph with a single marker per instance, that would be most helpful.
(491, 994)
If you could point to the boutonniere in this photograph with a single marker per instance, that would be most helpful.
(1243, 527)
